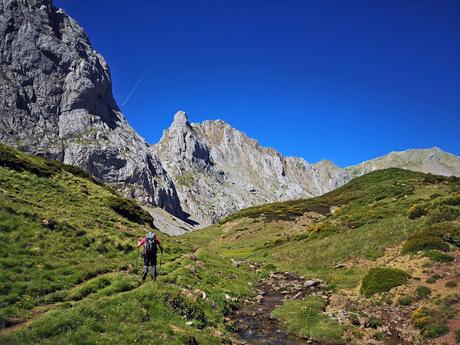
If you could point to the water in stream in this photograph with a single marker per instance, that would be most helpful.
(253, 320)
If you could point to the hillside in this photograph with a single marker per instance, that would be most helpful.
(388, 219)
(67, 266)
(433, 161)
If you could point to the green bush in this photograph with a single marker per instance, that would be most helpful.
(432, 320)
(438, 256)
(184, 306)
(435, 236)
(382, 279)
(374, 322)
(443, 213)
(405, 300)
(130, 209)
(457, 335)
(422, 291)
(416, 211)
(451, 284)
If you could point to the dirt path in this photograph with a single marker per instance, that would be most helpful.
(253, 322)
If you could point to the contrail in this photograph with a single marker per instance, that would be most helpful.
(137, 84)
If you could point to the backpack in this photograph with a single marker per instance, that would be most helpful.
(150, 245)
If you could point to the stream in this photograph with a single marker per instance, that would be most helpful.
(253, 322)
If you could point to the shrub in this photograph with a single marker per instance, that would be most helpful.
(382, 279)
(374, 322)
(457, 335)
(416, 211)
(130, 209)
(444, 213)
(451, 284)
(432, 320)
(184, 306)
(452, 200)
(435, 236)
(405, 300)
(422, 291)
(438, 256)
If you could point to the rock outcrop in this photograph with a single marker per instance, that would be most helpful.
(56, 101)
(218, 170)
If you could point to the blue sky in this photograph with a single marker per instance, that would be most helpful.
(340, 80)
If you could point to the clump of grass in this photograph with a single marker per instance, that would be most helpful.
(184, 306)
(306, 319)
(438, 256)
(374, 322)
(379, 336)
(451, 284)
(432, 237)
(382, 279)
(432, 320)
(405, 300)
(130, 209)
(416, 211)
(431, 280)
(422, 291)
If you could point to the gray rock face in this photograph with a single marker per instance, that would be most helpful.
(56, 101)
(218, 170)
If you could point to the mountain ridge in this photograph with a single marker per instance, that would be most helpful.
(56, 101)
(218, 169)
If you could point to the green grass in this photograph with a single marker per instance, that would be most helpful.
(422, 291)
(371, 216)
(74, 279)
(432, 320)
(405, 300)
(433, 237)
(306, 319)
(80, 268)
(438, 256)
(382, 279)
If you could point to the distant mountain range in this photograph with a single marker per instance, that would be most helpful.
(56, 101)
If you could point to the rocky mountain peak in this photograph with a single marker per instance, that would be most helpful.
(180, 120)
(56, 101)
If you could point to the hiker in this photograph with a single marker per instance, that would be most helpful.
(151, 243)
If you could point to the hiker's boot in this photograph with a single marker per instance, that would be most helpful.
(144, 274)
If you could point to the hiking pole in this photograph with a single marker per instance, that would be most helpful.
(137, 260)
(161, 260)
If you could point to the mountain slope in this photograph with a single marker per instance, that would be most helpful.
(67, 266)
(358, 238)
(433, 161)
(56, 101)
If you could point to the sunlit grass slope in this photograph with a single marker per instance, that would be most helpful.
(68, 247)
